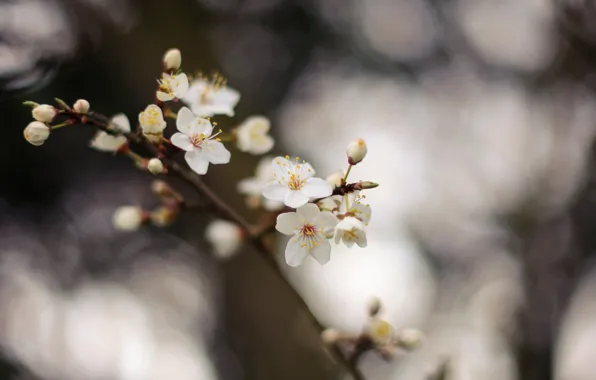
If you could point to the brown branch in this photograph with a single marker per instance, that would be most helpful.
(223, 210)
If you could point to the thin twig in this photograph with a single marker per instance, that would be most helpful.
(221, 208)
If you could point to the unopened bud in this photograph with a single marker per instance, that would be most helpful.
(44, 113)
(172, 59)
(155, 166)
(330, 336)
(410, 338)
(363, 185)
(380, 331)
(225, 237)
(335, 179)
(36, 133)
(127, 218)
(161, 188)
(81, 106)
(356, 151)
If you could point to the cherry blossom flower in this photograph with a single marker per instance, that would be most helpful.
(252, 135)
(351, 231)
(294, 183)
(36, 133)
(352, 206)
(152, 122)
(106, 142)
(310, 228)
(211, 97)
(195, 137)
(253, 187)
(174, 86)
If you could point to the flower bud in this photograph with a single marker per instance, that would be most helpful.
(36, 133)
(81, 106)
(44, 113)
(380, 331)
(356, 151)
(164, 216)
(155, 166)
(374, 307)
(225, 237)
(172, 59)
(335, 179)
(410, 338)
(127, 218)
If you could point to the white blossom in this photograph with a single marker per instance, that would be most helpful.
(252, 135)
(310, 228)
(36, 133)
(294, 183)
(351, 231)
(172, 59)
(195, 137)
(225, 237)
(352, 206)
(335, 179)
(152, 122)
(155, 166)
(106, 142)
(81, 106)
(174, 86)
(331, 204)
(44, 113)
(253, 187)
(211, 97)
(356, 151)
(127, 218)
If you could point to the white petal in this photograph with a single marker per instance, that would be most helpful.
(361, 238)
(183, 120)
(270, 205)
(308, 212)
(317, 188)
(164, 96)
(326, 223)
(121, 122)
(288, 223)
(251, 186)
(216, 152)
(181, 87)
(337, 236)
(261, 145)
(362, 211)
(107, 143)
(306, 170)
(296, 252)
(322, 251)
(275, 191)
(200, 126)
(197, 161)
(295, 198)
(182, 141)
(280, 166)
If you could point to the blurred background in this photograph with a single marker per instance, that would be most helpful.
(479, 116)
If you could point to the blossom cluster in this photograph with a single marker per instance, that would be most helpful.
(325, 211)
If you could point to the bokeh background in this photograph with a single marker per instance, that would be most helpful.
(479, 116)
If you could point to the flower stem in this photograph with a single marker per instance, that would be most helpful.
(61, 125)
(347, 174)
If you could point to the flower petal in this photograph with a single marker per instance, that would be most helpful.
(275, 191)
(280, 166)
(322, 251)
(251, 186)
(183, 120)
(182, 85)
(216, 152)
(270, 205)
(326, 222)
(182, 141)
(361, 238)
(308, 213)
(120, 122)
(317, 188)
(164, 96)
(295, 198)
(288, 223)
(197, 161)
(261, 145)
(296, 251)
(200, 126)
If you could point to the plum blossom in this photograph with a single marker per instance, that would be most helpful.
(211, 97)
(252, 135)
(174, 86)
(294, 183)
(195, 137)
(253, 187)
(352, 205)
(106, 142)
(310, 228)
(152, 122)
(36, 133)
(44, 113)
(351, 231)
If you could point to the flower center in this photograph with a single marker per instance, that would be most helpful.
(308, 230)
(294, 182)
(151, 117)
(199, 138)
